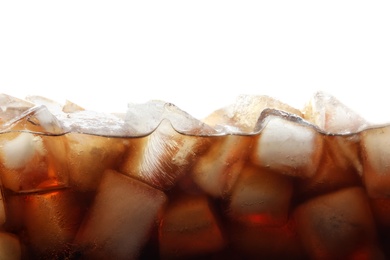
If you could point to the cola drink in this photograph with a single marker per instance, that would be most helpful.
(255, 180)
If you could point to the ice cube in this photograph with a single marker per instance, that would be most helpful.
(261, 242)
(244, 113)
(28, 160)
(71, 107)
(145, 118)
(120, 220)
(89, 156)
(288, 146)
(10, 248)
(54, 107)
(337, 225)
(339, 167)
(36, 119)
(261, 197)
(375, 145)
(217, 169)
(11, 107)
(162, 157)
(95, 123)
(23, 161)
(189, 229)
(51, 221)
(330, 115)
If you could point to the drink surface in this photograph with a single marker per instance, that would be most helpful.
(257, 179)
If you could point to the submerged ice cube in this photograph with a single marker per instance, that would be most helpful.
(119, 222)
(338, 226)
(261, 197)
(189, 228)
(51, 221)
(375, 144)
(10, 248)
(217, 169)
(339, 167)
(28, 160)
(89, 156)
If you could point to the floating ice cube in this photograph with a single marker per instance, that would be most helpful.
(330, 115)
(189, 229)
(11, 107)
(375, 144)
(95, 123)
(244, 113)
(261, 197)
(120, 220)
(36, 119)
(54, 107)
(71, 107)
(289, 147)
(337, 225)
(145, 118)
(10, 248)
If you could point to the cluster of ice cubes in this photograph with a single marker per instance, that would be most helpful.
(256, 179)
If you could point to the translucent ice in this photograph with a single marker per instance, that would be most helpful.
(261, 197)
(11, 107)
(10, 248)
(375, 145)
(189, 228)
(51, 221)
(144, 118)
(244, 113)
(162, 157)
(288, 147)
(330, 115)
(71, 107)
(28, 159)
(339, 167)
(217, 169)
(120, 219)
(97, 153)
(337, 225)
(37, 119)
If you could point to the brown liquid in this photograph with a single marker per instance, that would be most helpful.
(168, 195)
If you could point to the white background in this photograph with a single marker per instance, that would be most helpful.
(198, 54)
